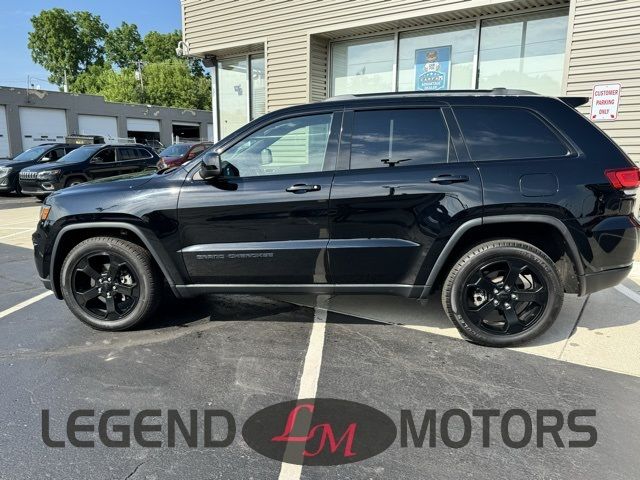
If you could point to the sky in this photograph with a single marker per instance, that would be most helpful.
(15, 24)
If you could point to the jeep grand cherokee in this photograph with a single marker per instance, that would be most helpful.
(501, 200)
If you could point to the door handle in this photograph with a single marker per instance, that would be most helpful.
(303, 188)
(449, 179)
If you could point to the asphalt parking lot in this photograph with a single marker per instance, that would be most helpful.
(244, 353)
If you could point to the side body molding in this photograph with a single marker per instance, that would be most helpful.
(555, 222)
(165, 263)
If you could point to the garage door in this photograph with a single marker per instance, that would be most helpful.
(143, 125)
(42, 125)
(106, 127)
(4, 134)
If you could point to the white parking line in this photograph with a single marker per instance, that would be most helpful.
(18, 233)
(308, 381)
(626, 291)
(26, 303)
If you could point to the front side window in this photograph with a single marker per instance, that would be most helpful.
(501, 133)
(296, 145)
(106, 156)
(406, 137)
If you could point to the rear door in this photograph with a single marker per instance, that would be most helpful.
(400, 193)
(130, 160)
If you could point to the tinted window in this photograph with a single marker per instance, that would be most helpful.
(399, 137)
(295, 145)
(56, 154)
(142, 153)
(106, 156)
(495, 133)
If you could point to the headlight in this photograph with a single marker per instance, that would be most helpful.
(48, 174)
(4, 171)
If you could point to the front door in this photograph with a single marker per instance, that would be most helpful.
(265, 220)
(402, 189)
(104, 164)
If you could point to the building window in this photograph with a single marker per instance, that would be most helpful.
(363, 66)
(525, 52)
(451, 50)
(241, 98)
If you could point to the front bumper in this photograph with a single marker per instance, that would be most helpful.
(38, 187)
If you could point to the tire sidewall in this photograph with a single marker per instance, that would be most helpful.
(132, 318)
(486, 253)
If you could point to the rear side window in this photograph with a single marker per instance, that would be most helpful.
(497, 133)
(406, 137)
(142, 153)
(126, 154)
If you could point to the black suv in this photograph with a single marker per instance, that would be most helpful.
(88, 162)
(502, 200)
(44, 153)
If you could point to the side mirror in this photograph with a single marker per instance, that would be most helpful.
(45, 159)
(210, 166)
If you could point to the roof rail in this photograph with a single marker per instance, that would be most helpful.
(493, 91)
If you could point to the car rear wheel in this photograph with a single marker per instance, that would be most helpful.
(110, 283)
(503, 293)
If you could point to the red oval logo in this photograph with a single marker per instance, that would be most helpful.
(319, 431)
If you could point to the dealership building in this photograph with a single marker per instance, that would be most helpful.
(29, 117)
(269, 54)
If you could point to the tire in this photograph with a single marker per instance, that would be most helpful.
(74, 181)
(503, 293)
(110, 283)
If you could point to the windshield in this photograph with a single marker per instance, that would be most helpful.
(81, 154)
(32, 153)
(175, 150)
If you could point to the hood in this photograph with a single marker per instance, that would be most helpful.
(17, 164)
(39, 167)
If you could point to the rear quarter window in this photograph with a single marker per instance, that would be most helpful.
(505, 133)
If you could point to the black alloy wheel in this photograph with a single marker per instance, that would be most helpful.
(504, 297)
(110, 283)
(503, 293)
(105, 285)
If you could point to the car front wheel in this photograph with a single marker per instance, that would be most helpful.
(110, 283)
(503, 293)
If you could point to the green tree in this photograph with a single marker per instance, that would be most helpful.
(159, 47)
(171, 84)
(64, 42)
(123, 45)
(120, 86)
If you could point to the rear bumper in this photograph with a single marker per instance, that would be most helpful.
(595, 282)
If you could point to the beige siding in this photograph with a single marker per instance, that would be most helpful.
(604, 47)
(319, 60)
(295, 32)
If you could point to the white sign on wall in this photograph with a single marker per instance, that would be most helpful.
(605, 101)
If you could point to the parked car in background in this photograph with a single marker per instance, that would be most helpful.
(180, 153)
(45, 153)
(88, 162)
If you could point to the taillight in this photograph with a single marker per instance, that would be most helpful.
(624, 178)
